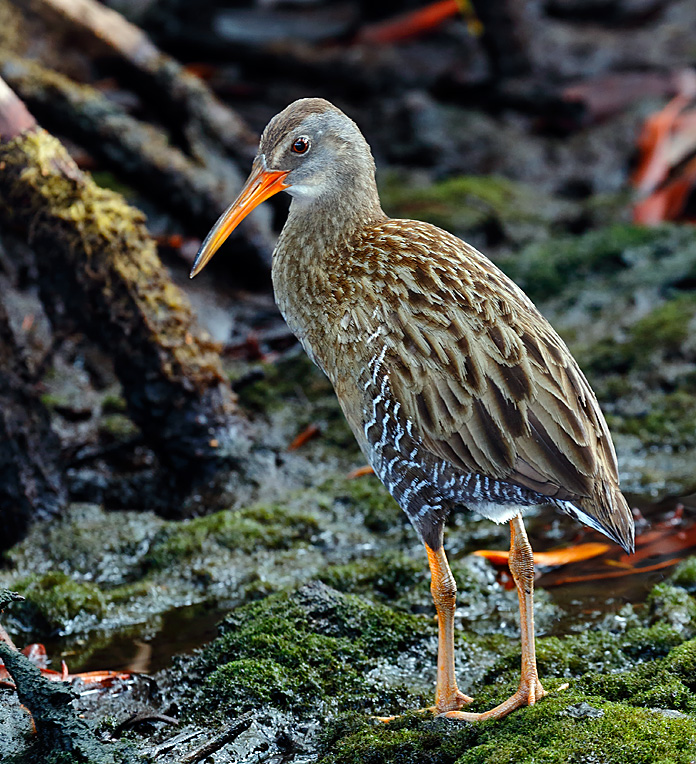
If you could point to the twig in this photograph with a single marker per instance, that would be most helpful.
(241, 725)
(143, 716)
(172, 742)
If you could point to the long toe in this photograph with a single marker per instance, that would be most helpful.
(458, 701)
(527, 695)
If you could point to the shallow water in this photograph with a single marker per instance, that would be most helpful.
(149, 647)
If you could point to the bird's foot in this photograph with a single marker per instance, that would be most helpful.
(527, 695)
(454, 703)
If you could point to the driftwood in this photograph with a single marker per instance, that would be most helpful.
(202, 117)
(99, 268)
(137, 151)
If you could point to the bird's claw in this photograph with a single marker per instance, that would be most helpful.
(527, 695)
(459, 700)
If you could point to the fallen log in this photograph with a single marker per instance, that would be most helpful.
(201, 116)
(138, 152)
(98, 268)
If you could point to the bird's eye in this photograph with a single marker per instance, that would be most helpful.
(301, 145)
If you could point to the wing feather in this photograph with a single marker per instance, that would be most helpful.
(488, 384)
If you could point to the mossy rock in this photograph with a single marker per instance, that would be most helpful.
(307, 652)
(685, 575)
(668, 683)
(565, 727)
(621, 256)
(469, 204)
(54, 601)
(387, 577)
(249, 529)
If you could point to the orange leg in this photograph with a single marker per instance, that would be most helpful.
(444, 591)
(522, 569)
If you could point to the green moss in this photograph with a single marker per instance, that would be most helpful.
(114, 404)
(684, 575)
(601, 650)
(666, 327)
(318, 645)
(367, 496)
(57, 599)
(412, 738)
(667, 683)
(549, 269)
(468, 203)
(55, 401)
(563, 728)
(249, 683)
(549, 733)
(118, 427)
(672, 605)
(389, 576)
(668, 419)
(267, 527)
(290, 377)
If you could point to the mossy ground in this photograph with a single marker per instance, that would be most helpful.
(318, 653)
(496, 209)
(321, 659)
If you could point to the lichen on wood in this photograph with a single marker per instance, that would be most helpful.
(137, 151)
(99, 268)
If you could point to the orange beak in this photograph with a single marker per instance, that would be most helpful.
(260, 185)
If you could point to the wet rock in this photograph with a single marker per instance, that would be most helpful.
(583, 711)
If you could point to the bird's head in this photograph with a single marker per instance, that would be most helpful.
(313, 151)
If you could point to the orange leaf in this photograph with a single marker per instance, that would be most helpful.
(360, 471)
(309, 432)
(551, 559)
(409, 24)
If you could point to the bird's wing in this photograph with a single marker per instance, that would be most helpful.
(487, 383)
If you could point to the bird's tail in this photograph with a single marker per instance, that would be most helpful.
(607, 512)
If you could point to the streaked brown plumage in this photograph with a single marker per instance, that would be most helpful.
(458, 391)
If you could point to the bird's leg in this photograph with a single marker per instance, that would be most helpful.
(444, 590)
(522, 568)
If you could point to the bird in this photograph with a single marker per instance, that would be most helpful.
(459, 392)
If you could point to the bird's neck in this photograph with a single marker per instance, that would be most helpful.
(347, 206)
(312, 253)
